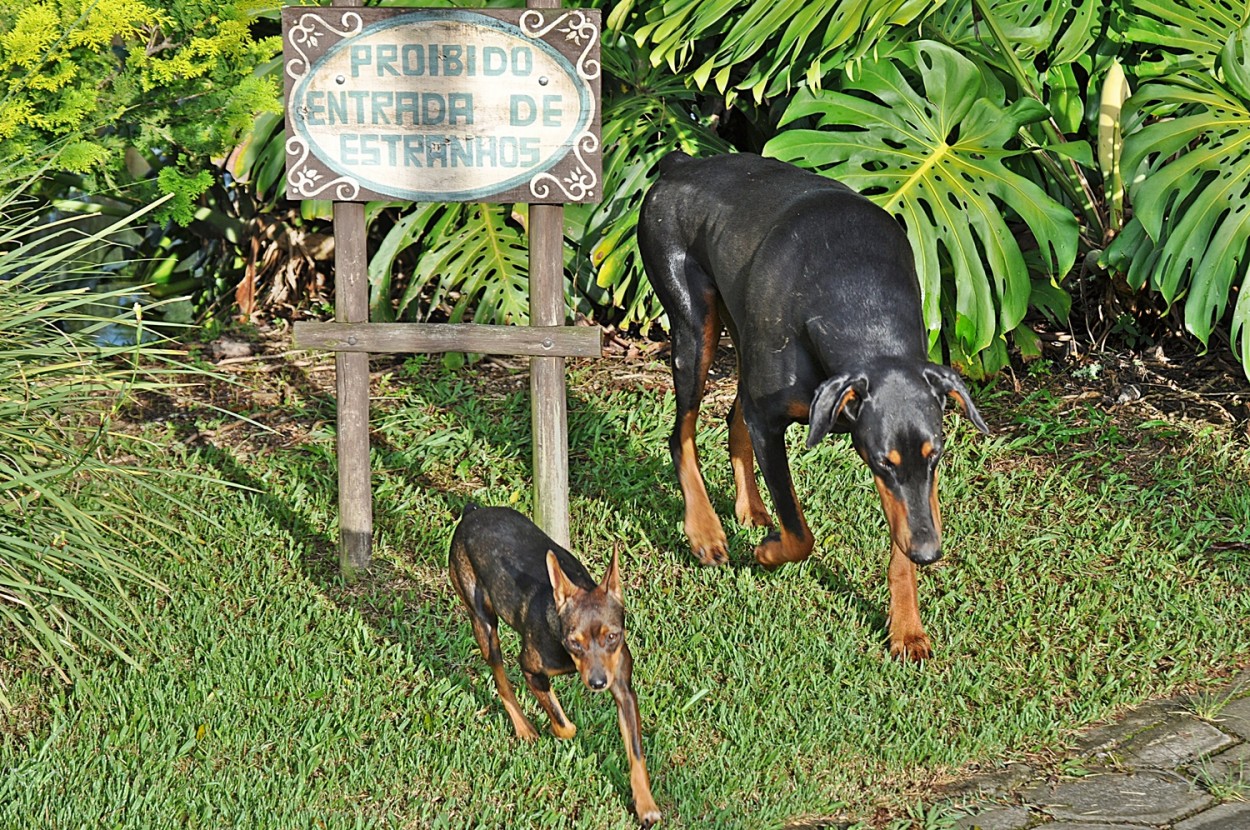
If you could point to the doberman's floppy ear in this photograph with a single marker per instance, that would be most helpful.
(612, 579)
(945, 381)
(840, 396)
(561, 587)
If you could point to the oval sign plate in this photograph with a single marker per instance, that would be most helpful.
(442, 105)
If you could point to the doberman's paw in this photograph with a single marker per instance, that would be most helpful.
(914, 647)
(709, 545)
(753, 515)
(714, 554)
(565, 732)
(773, 552)
(526, 732)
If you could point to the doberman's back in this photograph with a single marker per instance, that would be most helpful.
(787, 247)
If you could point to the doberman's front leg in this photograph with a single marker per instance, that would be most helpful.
(793, 542)
(486, 631)
(908, 639)
(631, 731)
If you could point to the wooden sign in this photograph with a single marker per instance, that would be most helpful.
(442, 105)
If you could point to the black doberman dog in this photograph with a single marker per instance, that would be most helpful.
(818, 289)
(502, 565)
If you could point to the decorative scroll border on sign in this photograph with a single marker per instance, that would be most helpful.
(575, 178)
(307, 181)
(582, 180)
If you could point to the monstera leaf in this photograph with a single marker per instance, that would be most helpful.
(647, 114)
(1190, 189)
(934, 157)
(461, 256)
(1063, 31)
(766, 49)
(1188, 33)
(1036, 42)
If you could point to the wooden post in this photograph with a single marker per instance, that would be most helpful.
(548, 407)
(351, 371)
(548, 404)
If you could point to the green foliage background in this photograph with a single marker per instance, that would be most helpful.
(1013, 139)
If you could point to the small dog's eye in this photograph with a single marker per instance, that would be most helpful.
(612, 638)
(574, 647)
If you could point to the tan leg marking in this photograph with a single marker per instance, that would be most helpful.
(524, 729)
(702, 525)
(908, 640)
(748, 505)
(561, 726)
(788, 548)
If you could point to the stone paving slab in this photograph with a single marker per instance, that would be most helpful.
(1067, 825)
(1003, 779)
(1099, 739)
(1150, 772)
(1231, 768)
(1224, 817)
(997, 818)
(1174, 742)
(1147, 797)
(1235, 718)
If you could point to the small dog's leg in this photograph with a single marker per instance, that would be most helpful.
(488, 639)
(486, 632)
(631, 731)
(908, 639)
(540, 685)
(748, 505)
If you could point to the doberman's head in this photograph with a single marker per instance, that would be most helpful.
(894, 415)
(592, 624)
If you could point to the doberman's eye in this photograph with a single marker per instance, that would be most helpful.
(574, 647)
(612, 639)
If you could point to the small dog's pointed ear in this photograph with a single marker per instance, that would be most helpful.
(561, 587)
(612, 579)
(945, 381)
(840, 396)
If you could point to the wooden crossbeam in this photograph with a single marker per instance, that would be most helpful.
(433, 338)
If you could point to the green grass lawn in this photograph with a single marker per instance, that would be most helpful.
(1092, 562)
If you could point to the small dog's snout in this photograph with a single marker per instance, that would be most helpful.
(597, 682)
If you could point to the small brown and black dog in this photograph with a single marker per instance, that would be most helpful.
(502, 565)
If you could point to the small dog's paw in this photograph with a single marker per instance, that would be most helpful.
(913, 647)
(648, 814)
